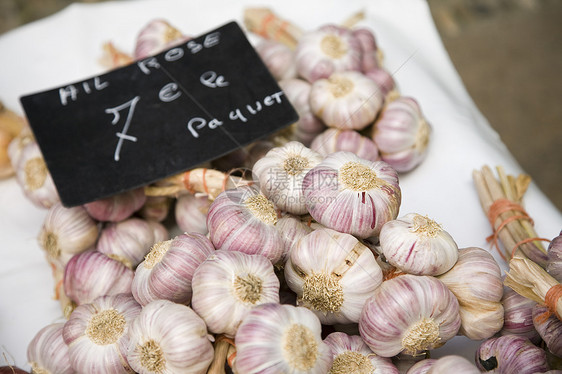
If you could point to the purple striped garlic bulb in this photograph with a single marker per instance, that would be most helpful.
(386, 83)
(549, 328)
(402, 134)
(243, 219)
(327, 50)
(410, 314)
(554, 263)
(510, 354)
(278, 58)
(444, 365)
(335, 140)
(191, 213)
(352, 195)
(158, 35)
(48, 353)
(292, 229)
(117, 207)
(276, 338)
(418, 245)
(97, 334)
(228, 284)
(371, 55)
(333, 274)
(346, 100)
(518, 316)
(167, 270)
(280, 173)
(352, 355)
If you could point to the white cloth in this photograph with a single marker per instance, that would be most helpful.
(66, 47)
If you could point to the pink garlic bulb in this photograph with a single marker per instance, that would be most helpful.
(191, 213)
(554, 263)
(48, 353)
(335, 140)
(130, 240)
(518, 316)
(402, 134)
(326, 50)
(167, 270)
(158, 35)
(118, 207)
(510, 354)
(156, 208)
(351, 195)
(549, 328)
(292, 229)
(384, 81)
(243, 219)
(371, 55)
(91, 274)
(444, 365)
(278, 58)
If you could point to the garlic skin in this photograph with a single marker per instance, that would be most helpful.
(130, 240)
(333, 274)
(518, 316)
(66, 232)
(334, 140)
(228, 284)
(280, 172)
(554, 262)
(549, 328)
(418, 245)
(510, 354)
(278, 58)
(97, 334)
(48, 353)
(328, 49)
(352, 195)
(292, 229)
(444, 365)
(275, 338)
(191, 213)
(91, 274)
(409, 314)
(402, 134)
(169, 338)
(158, 35)
(118, 207)
(346, 100)
(352, 355)
(167, 270)
(477, 283)
(243, 219)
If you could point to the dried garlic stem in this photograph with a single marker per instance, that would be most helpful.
(267, 24)
(222, 346)
(352, 20)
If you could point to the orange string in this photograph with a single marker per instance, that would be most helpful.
(280, 29)
(230, 358)
(263, 27)
(553, 295)
(187, 182)
(205, 181)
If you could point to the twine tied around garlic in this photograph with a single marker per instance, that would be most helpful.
(551, 299)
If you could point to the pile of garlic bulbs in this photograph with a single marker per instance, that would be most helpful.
(307, 267)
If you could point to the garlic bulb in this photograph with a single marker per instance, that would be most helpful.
(352, 195)
(549, 328)
(444, 365)
(510, 354)
(155, 208)
(243, 219)
(228, 284)
(328, 49)
(402, 134)
(554, 263)
(518, 316)
(118, 207)
(292, 229)
(169, 338)
(158, 35)
(97, 334)
(371, 57)
(34, 177)
(191, 213)
(346, 100)
(352, 356)
(418, 245)
(256, 151)
(167, 270)
(333, 274)
(66, 232)
(409, 313)
(48, 353)
(91, 274)
(275, 338)
(130, 240)
(385, 82)
(278, 58)
(280, 173)
(334, 140)
(477, 283)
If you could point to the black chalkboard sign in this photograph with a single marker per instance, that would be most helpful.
(156, 117)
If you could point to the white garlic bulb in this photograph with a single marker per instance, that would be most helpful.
(333, 274)
(158, 35)
(280, 173)
(66, 232)
(352, 355)
(243, 219)
(169, 338)
(191, 213)
(97, 334)
(292, 229)
(276, 338)
(117, 207)
(167, 270)
(477, 283)
(418, 245)
(334, 140)
(278, 58)
(352, 195)
(326, 50)
(130, 240)
(410, 314)
(402, 134)
(48, 353)
(228, 284)
(444, 365)
(346, 100)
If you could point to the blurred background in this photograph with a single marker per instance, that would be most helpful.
(507, 52)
